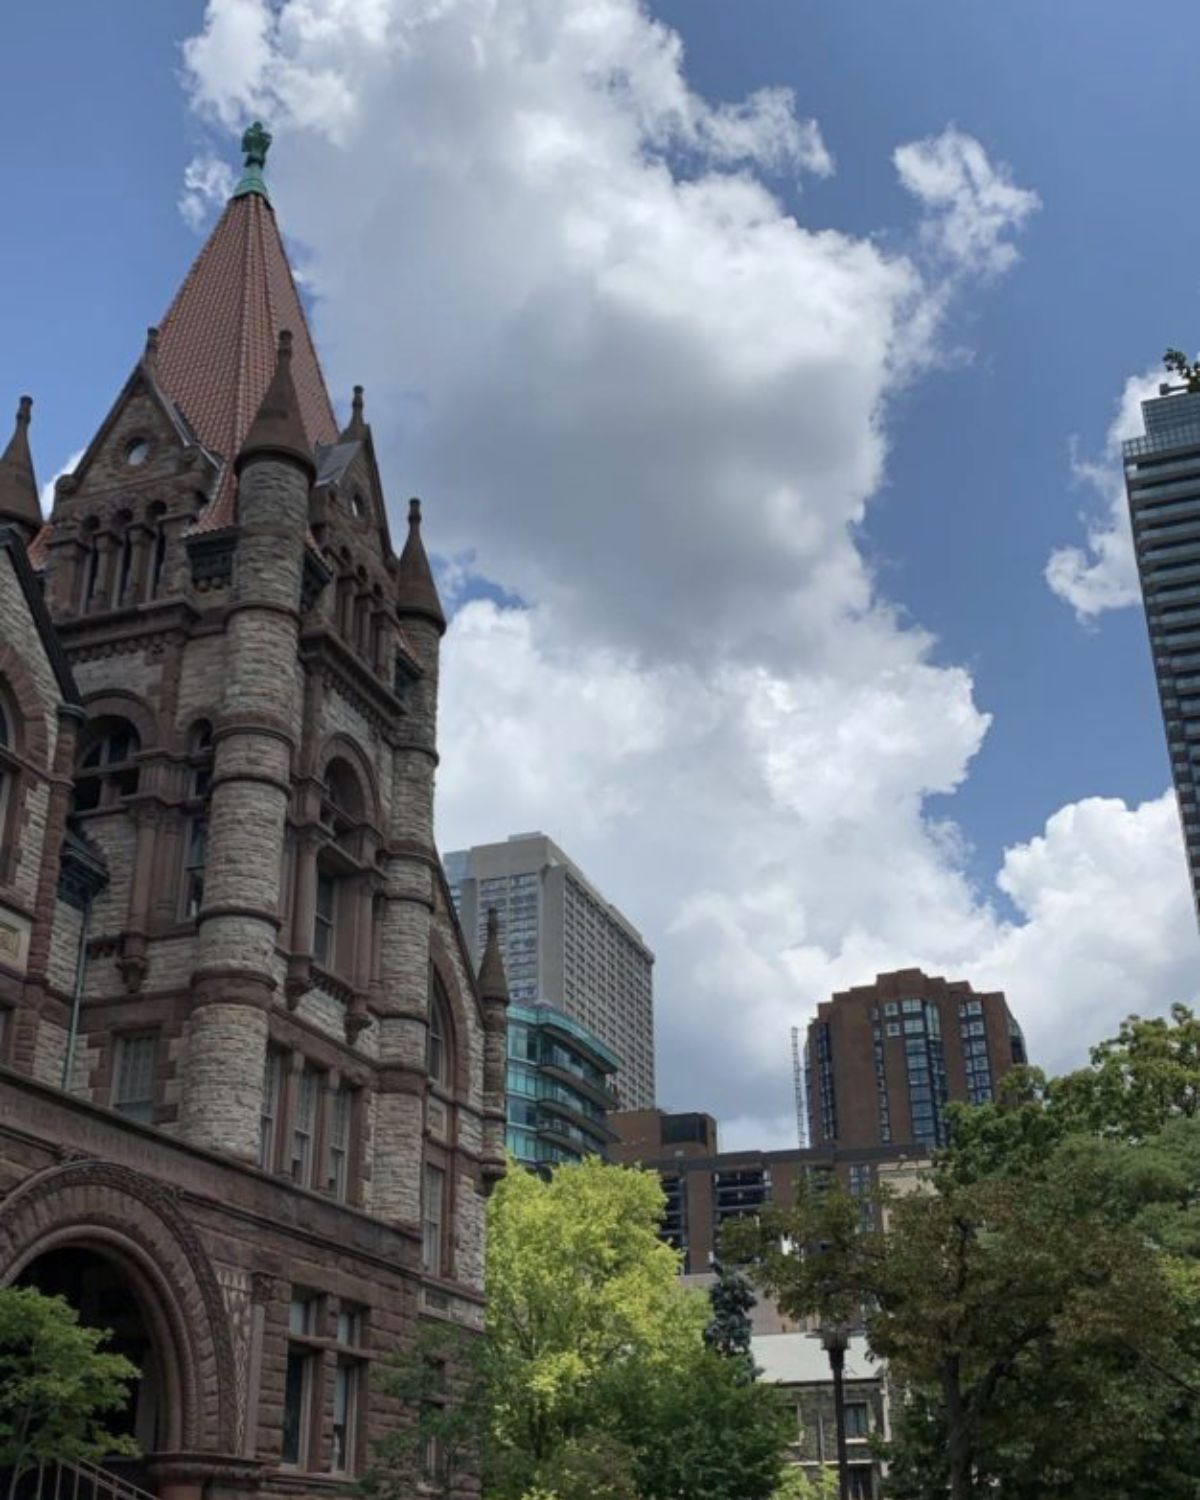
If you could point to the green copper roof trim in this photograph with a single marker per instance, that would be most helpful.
(255, 144)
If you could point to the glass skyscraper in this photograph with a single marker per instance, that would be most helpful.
(559, 1088)
(1162, 479)
(563, 944)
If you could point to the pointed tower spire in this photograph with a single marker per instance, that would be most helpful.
(356, 428)
(18, 486)
(416, 592)
(255, 144)
(278, 431)
(493, 983)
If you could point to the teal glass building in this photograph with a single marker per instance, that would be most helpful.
(560, 1085)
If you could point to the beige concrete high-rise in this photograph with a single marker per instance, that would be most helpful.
(563, 943)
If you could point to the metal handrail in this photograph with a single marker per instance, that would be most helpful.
(79, 1479)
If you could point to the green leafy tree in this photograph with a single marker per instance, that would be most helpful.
(797, 1485)
(1139, 1080)
(982, 1293)
(443, 1382)
(593, 1381)
(707, 1432)
(57, 1385)
(582, 1297)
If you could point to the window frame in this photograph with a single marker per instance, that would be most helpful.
(341, 1103)
(433, 1226)
(270, 1120)
(140, 1110)
(308, 1361)
(192, 891)
(440, 1052)
(324, 933)
(307, 1081)
(350, 1369)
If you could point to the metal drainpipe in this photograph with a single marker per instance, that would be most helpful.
(77, 997)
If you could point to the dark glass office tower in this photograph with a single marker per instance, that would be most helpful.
(1162, 478)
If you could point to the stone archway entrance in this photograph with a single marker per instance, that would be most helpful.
(121, 1250)
(109, 1294)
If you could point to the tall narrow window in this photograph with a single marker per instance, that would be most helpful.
(303, 1127)
(339, 1142)
(299, 1380)
(437, 1040)
(125, 570)
(433, 1212)
(158, 548)
(346, 1376)
(195, 847)
(91, 565)
(269, 1118)
(194, 863)
(323, 919)
(133, 1076)
(434, 1457)
(6, 774)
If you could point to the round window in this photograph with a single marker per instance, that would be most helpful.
(360, 505)
(137, 453)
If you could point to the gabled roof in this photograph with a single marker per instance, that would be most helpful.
(217, 343)
(13, 543)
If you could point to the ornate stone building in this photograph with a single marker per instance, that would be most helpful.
(251, 1092)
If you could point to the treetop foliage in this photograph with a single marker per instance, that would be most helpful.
(57, 1384)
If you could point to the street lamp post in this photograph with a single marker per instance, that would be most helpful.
(834, 1339)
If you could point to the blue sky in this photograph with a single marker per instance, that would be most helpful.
(977, 490)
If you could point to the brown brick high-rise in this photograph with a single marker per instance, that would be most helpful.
(884, 1059)
(251, 1092)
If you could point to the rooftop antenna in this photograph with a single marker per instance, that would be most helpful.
(801, 1091)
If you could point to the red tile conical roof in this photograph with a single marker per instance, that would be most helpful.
(217, 343)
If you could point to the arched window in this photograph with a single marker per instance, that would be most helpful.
(195, 839)
(439, 1037)
(343, 812)
(107, 768)
(343, 804)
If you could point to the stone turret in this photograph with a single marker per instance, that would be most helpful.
(19, 504)
(493, 992)
(255, 738)
(409, 888)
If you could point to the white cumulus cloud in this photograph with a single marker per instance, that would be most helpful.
(207, 182)
(650, 404)
(974, 207)
(1102, 574)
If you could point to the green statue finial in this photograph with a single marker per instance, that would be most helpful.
(255, 144)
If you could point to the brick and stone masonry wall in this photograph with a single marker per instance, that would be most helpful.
(255, 739)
